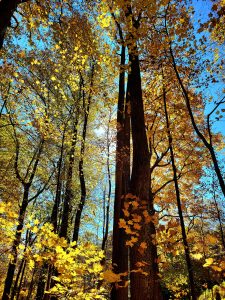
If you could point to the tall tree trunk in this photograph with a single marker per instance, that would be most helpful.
(180, 213)
(16, 242)
(54, 215)
(41, 282)
(142, 286)
(68, 192)
(44, 274)
(21, 280)
(86, 108)
(122, 177)
(218, 213)
(106, 204)
(30, 289)
(15, 287)
(207, 144)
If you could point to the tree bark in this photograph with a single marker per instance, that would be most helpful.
(142, 286)
(180, 213)
(106, 204)
(68, 192)
(12, 264)
(86, 108)
(122, 178)
(54, 216)
(207, 144)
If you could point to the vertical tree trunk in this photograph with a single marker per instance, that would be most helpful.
(15, 287)
(21, 280)
(86, 108)
(30, 289)
(142, 286)
(12, 264)
(54, 216)
(184, 235)
(106, 204)
(218, 213)
(68, 192)
(122, 177)
(207, 144)
(41, 282)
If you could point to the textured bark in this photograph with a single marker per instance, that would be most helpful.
(16, 288)
(142, 287)
(68, 192)
(86, 108)
(54, 215)
(21, 280)
(41, 282)
(122, 177)
(180, 213)
(106, 203)
(7, 9)
(12, 264)
(30, 289)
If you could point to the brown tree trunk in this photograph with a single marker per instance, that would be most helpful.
(68, 192)
(142, 286)
(180, 213)
(30, 289)
(21, 280)
(106, 204)
(122, 177)
(12, 264)
(16, 289)
(86, 108)
(218, 213)
(54, 215)
(207, 144)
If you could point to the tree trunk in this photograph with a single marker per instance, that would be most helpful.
(12, 264)
(106, 205)
(41, 282)
(68, 192)
(122, 177)
(21, 280)
(142, 286)
(207, 144)
(86, 108)
(54, 216)
(180, 213)
(30, 289)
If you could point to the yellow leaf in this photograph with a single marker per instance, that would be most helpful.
(216, 268)
(131, 241)
(110, 276)
(137, 226)
(197, 256)
(208, 262)
(122, 223)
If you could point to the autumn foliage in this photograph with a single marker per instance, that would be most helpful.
(112, 150)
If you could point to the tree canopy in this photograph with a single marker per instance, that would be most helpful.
(112, 149)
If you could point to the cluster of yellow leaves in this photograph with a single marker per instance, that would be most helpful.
(178, 287)
(135, 215)
(211, 294)
(8, 221)
(78, 267)
(218, 266)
